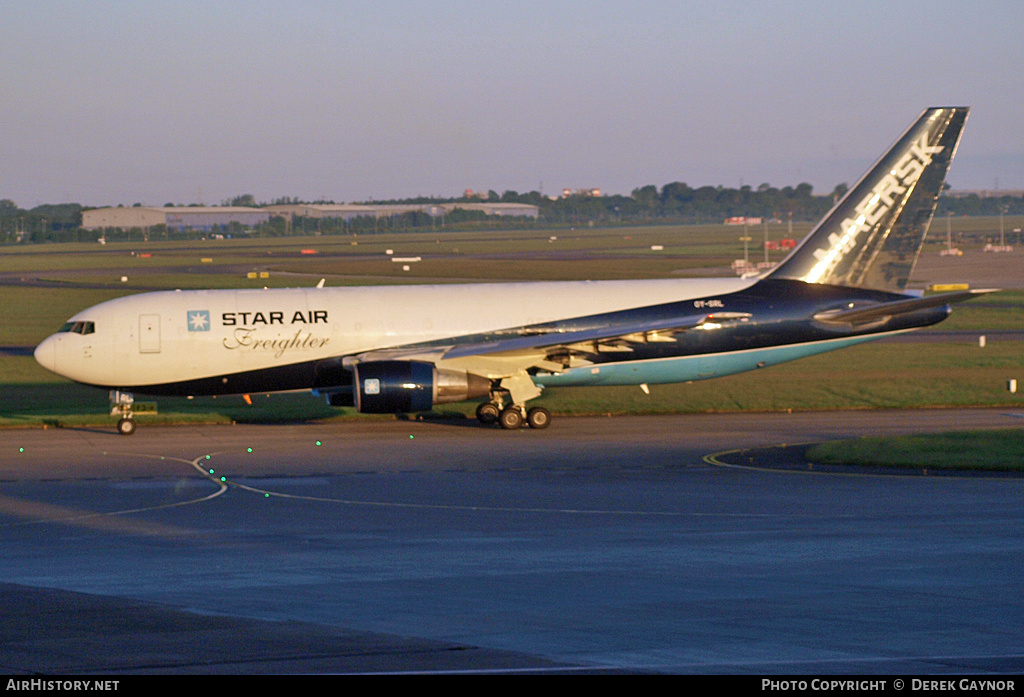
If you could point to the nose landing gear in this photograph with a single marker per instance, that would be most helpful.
(121, 405)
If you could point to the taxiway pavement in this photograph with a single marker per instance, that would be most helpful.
(601, 544)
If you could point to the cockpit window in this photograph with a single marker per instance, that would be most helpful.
(78, 327)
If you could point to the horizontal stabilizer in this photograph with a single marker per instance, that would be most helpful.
(871, 313)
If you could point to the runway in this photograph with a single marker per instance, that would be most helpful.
(599, 545)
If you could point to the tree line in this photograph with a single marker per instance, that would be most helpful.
(674, 203)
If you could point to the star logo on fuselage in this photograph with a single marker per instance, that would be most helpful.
(199, 320)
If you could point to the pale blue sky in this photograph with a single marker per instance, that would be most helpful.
(154, 102)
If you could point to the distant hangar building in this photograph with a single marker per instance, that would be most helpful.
(175, 218)
(384, 210)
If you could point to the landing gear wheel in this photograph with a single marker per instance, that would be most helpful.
(511, 418)
(126, 427)
(488, 413)
(538, 417)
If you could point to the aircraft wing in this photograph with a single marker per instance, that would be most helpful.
(607, 337)
(535, 346)
(871, 313)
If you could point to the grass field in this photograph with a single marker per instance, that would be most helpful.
(999, 451)
(939, 373)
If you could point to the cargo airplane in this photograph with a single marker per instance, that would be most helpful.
(406, 348)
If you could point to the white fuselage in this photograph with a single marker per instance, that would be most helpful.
(176, 336)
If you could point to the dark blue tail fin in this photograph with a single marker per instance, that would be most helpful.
(872, 237)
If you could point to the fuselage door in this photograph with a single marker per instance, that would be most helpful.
(149, 333)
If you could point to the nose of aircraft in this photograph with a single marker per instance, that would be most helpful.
(46, 354)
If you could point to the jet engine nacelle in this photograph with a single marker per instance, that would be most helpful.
(388, 387)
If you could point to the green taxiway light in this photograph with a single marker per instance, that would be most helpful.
(318, 442)
(249, 449)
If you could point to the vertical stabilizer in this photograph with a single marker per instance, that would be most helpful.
(873, 236)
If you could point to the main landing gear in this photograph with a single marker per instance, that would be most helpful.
(513, 416)
(121, 405)
(505, 407)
